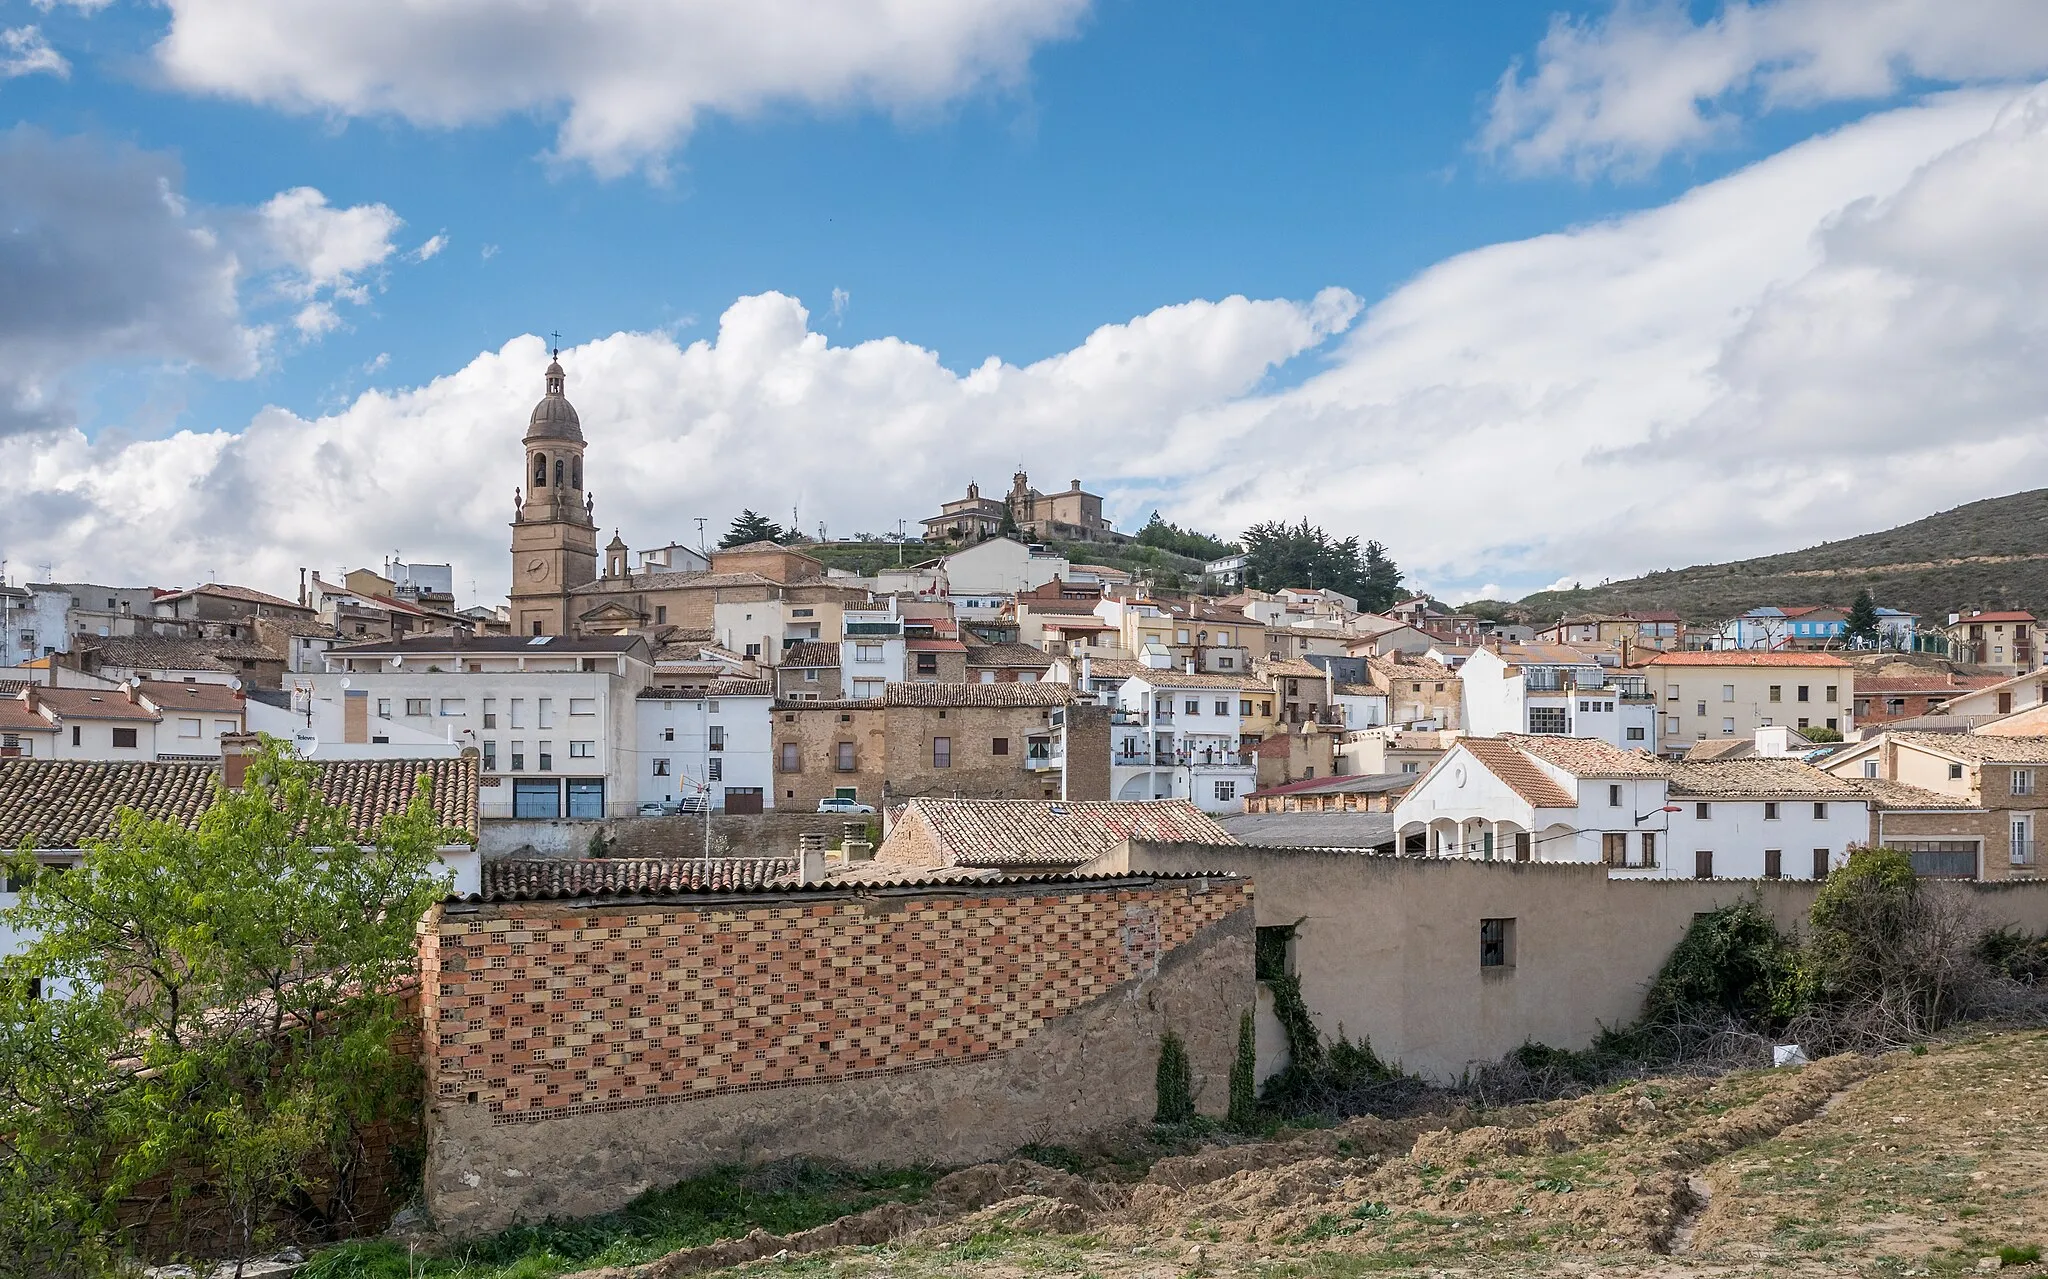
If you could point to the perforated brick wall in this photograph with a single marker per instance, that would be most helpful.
(540, 1010)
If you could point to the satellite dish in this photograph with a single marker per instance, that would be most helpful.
(305, 742)
(345, 683)
(235, 682)
(398, 659)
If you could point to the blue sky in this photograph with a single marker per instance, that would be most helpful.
(1107, 162)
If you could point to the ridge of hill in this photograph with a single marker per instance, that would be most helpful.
(1986, 554)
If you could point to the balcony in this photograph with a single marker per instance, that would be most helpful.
(2023, 852)
(887, 629)
(1129, 719)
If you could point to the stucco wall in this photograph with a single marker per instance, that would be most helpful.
(1388, 947)
(911, 1040)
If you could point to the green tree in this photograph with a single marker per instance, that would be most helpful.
(1862, 622)
(1244, 1103)
(220, 1009)
(1174, 1085)
(1303, 555)
(1380, 588)
(751, 526)
(1179, 541)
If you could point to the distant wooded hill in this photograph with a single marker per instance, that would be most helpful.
(1987, 554)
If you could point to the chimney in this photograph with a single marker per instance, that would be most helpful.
(302, 588)
(235, 752)
(810, 857)
(1191, 666)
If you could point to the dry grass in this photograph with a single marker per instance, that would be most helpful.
(1916, 1163)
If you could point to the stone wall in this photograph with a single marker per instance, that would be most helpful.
(1087, 762)
(581, 1052)
(977, 771)
(816, 732)
(1387, 948)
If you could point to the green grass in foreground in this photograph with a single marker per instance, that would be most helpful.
(725, 1204)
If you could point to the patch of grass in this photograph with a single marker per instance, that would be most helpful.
(2022, 1255)
(780, 1198)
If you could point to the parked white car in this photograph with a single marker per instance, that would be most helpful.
(844, 806)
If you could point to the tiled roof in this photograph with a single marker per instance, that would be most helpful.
(1757, 778)
(1720, 748)
(170, 695)
(247, 595)
(630, 876)
(1356, 783)
(16, 717)
(500, 645)
(1288, 668)
(1358, 690)
(740, 688)
(1981, 748)
(1043, 693)
(2009, 615)
(640, 582)
(1021, 656)
(934, 646)
(811, 654)
(1417, 668)
(1029, 832)
(1588, 756)
(65, 803)
(1518, 772)
(93, 703)
(1744, 657)
(1893, 796)
(153, 652)
(1930, 682)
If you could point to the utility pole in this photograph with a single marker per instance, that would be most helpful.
(701, 549)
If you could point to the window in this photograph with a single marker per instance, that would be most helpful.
(1671, 725)
(1955, 771)
(1551, 720)
(454, 706)
(124, 738)
(1265, 707)
(419, 706)
(1703, 864)
(1701, 812)
(518, 756)
(1700, 709)
(1777, 692)
(1940, 858)
(714, 770)
(811, 675)
(1614, 848)
(583, 706)
(1226, 663)
(661, 768)
(586, 797)
(803, 612)
(545, 718)
(867, 652)
(490, 712)
(1614, 795)
(660, 614)
(1226, 791)
(1727, 726)
(490, 757)
(1192, 706)
(1649, 849)
(1244, 707)
(1496, 943)
(536, 799)
(1635, 734)
(1774, 863)
(1223, 708)
(1671, 692)
(546, 752)
(717, 737)
(942, 752)
(1805, 693)
(1820, 863)
(1771, 811)
(518, 712)
(1000, 746)
(582, 750)
(191, 727)
(842, 757)
(1828, 694)
(668, 734)
(1727, 692)
(927, 663)
(384, 710)
(789, 757)
(753, 650)
(2022, 781)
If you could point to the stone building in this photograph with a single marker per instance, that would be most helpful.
(1072, 515)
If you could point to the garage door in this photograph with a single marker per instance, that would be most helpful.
(743, 799)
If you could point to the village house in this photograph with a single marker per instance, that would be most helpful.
(1883, 699)
(92, 719)
(1998, 780)
(1372, 793)
(1555, 690)
(713, 747)
(1733, 693)
(1420, 693)
(872, 652)
(1176, 735)
(1006, 664)
(150, 657)
(2005, 640)
(809, 672)
(1031, 836)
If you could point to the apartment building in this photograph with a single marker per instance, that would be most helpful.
(1175, 734)
(1962, 805)
(2005, 641)
(715, 748)
(1731, 694)
(1555, 690)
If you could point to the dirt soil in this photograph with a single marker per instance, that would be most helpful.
(1910, 1164)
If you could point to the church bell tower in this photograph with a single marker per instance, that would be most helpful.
(554, 528)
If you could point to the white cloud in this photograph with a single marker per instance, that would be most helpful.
(434, 244)
(1840, 338)
(628, 78)
(841, 299)
(322, 247)
(1623, 91)
(24, 51)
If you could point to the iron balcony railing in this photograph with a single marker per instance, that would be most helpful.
(2023, 852)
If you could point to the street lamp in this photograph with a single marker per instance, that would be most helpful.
(1668, 808)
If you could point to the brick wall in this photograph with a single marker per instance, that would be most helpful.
(550, 1023)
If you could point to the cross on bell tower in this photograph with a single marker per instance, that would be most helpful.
(554, 534)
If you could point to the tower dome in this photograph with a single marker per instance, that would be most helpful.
(554, 418)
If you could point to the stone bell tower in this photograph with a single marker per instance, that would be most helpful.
(554, 528)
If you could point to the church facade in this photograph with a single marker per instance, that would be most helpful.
(1072, 515)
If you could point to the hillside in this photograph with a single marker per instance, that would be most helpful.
(1988, 553)
(1162, 567)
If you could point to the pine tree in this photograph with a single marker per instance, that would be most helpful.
(1863, 623)
(751, 526)
(1244, 1105)
(1174, 1087)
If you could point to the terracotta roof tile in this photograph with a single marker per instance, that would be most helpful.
(153, 652)
(1518, 772)
(65, 803)
(1756, 778)
(1588, 756)
(630, 876)
(1020, 656)
(172, 695)
(1044, 694)
(1894, 796)
(811, 654)
(1981, 748)
(93, 703)
(1745, 657)
(1025, 832)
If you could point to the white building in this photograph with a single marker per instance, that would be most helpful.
(872, 654)
(716, 747)
(1555, 799)
(1000, 566)
(1555, 690)
(551, 717)
(1174, 735)
(87, 718)
(761, 629)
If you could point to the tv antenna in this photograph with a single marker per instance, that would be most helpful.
(700, 536)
